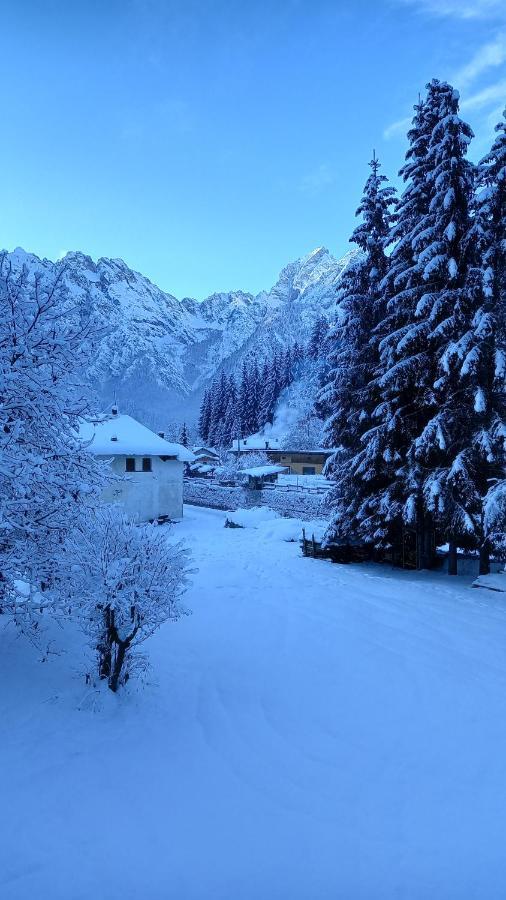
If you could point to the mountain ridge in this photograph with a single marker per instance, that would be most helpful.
(160, 351)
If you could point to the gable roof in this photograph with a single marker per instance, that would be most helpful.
(255, 442)
(121, 435)
(200, 450)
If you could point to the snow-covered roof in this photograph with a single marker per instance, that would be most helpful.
(204, 451)
(259, 471)
(120, 435)
(256, 442)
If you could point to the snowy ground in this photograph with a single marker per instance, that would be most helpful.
(312, 732)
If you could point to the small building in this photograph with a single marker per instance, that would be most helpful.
(206, 456)
(206, 462)
(296, 462)
(150, 468)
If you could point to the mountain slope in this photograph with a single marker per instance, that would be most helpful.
(159, 352)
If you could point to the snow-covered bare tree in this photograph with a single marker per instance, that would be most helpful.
(47, 478)
(127, 580)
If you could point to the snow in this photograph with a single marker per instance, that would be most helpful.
(496, 581)
(252, 518)
(260, 471)
(312, 731)
(273, 527)
(120, 435)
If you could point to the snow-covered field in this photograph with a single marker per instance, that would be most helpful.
(312, 732)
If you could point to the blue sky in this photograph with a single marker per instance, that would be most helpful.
(209, 143)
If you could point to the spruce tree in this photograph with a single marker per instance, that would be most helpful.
(350, 393)
(250, 401)
(219, 396)
(444, 313)
(204, 416)
(184, 437)
(403, 370)
(317, 339)
(270, 392)
(481, 349)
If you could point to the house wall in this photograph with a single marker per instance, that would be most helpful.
(299, 461)
(297, 467)
(296, 461)
(148, 495)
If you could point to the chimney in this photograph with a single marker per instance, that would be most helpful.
(161, 434)
(114, 410)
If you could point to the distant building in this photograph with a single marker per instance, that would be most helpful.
(206, 461)
(151, 486)
(206, 455)
(297, 462)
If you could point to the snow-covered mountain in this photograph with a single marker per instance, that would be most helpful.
(160, 352)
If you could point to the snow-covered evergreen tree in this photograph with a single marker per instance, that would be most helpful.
(205, 416)
(270, 392)
(184, 437)
(318, 337)
(481, 349)
(443, 315)
(219, 400)
(356, 464)
(403, 374)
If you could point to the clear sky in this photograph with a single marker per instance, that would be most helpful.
(209, 143)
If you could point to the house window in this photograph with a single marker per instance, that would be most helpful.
(308, 470)
(130, 464)
(146, 464)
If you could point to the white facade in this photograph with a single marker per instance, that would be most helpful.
(149, 469)
(148, 495)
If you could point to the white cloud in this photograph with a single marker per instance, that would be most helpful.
(486, 57)
(489, 56)
(400, 127)
(460, 9)
(317, 180)
(488, 95)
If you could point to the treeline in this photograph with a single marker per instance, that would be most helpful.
(415, 393)
(236, 407)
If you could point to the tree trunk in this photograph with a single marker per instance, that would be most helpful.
(104, 661)
(118, 665)
(104, 648)
(452, 558)
(425, 551)
(420, 536)
(484, 560)
(428, 543)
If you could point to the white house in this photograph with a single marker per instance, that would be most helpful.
(151, 486)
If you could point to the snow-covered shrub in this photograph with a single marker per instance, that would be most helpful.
(48, 480)
(127, 581)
